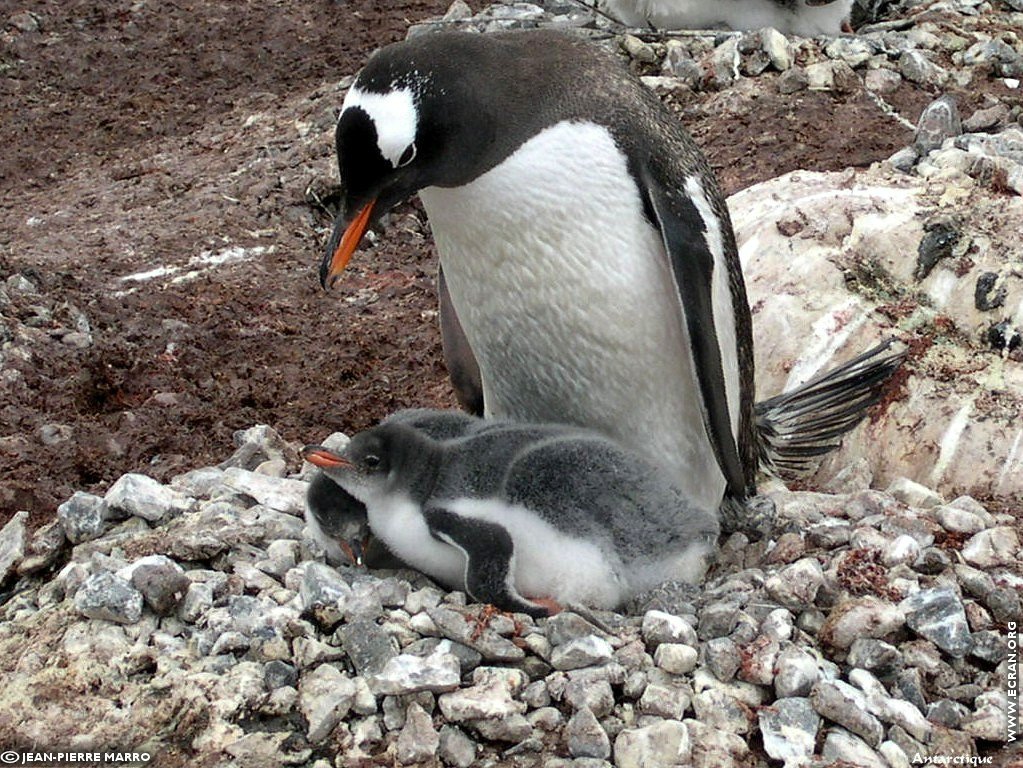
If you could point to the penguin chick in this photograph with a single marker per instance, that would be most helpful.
(791, 17)
(521, 515)
(338, 521)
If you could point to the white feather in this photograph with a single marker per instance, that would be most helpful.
(394, 116)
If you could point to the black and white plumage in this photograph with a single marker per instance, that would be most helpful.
(791, 17)
(589, 269)
(523, 515)
(338, 521)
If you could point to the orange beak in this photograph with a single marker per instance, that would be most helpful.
(334, 265)
(321, 457)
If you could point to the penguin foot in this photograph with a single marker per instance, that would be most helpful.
(552, 607)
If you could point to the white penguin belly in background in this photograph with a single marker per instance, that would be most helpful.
(791, 17)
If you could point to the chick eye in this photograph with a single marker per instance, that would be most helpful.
(371, 460)
(407, 156)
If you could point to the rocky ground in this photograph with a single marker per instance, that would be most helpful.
(165, 197)
(197, 622)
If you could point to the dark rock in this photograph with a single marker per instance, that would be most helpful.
(939, 240)
(162, 586)
(938, 615)
(368, 646)
(986, 296)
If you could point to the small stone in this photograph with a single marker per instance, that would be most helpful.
(142, 496)
(324, 593)
(938, 615)
(877, 656)
(661, 744)
(717, 620)
(659, 627)
(795, 586)
(932, 561)
(664, 699)
(638, 50)
(105, 596)
(853, 51)
(820, 76)
(905, 159)
(197, 601)
(325, 697)
(279, 674)
(585, 737)
(893, 755)
(722, 711)
(567, 626)
(840, 745)
(594, 695)
(903, 549)
(947, 713)
(511, 728)
(44, 548)
(81, 517)
(491, 696)
(789, 728)
(12, 544)
(676, 658)
(455, 748)
(418, 741)
(901, 713)
(777, 48)
(988, 721)
(917, 68)
(405, 674)
(793, 80)
(796, 672)
(280, 494)
(714, 748)
(843, 704)
(861, 617)
(367, 644)
(586, 651)
(724, 63)
(162, 586)
(932, 125)
(992, 547)
(459, 10)
(721, 656)
(1004, 604)
(882, 81)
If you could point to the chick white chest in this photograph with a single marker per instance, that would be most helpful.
(566, 296)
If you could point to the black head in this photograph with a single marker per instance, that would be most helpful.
(438, 110)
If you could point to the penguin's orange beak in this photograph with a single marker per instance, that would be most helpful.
(321, 457)
(338, 257)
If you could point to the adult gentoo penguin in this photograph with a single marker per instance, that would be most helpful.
(589, 270)
(526, 517)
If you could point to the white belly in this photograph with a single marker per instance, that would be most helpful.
(566, 297)
(802, 20)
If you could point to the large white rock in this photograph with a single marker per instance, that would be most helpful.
(831, 264)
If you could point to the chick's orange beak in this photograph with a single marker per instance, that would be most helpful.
(321, 457)
(335, 262)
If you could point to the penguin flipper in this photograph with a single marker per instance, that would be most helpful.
(685, 227)
(462, 365)
(489, 559)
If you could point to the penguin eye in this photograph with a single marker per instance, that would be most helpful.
(371, 460)
(407, 156)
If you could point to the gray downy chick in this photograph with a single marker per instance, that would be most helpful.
(526, 517)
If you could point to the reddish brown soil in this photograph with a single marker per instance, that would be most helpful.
(138, 135)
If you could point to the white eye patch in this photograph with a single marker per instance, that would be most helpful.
(394, 116)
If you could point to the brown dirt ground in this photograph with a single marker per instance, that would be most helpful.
(140, 135)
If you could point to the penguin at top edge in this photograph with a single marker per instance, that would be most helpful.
(527, 517)
(806, 18)
(589, 271)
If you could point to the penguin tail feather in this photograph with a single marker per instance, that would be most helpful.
(796, 428)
